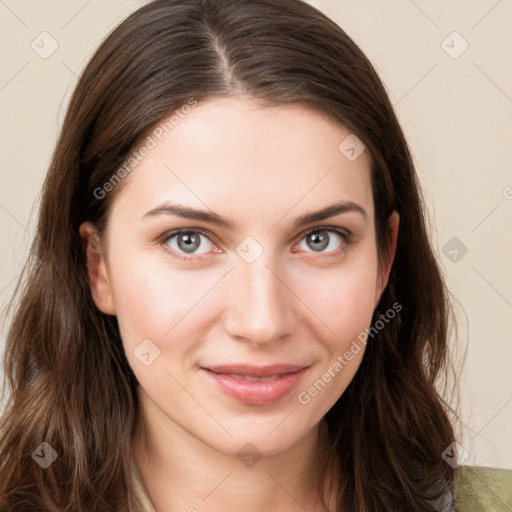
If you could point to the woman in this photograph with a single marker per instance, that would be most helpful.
(231, 301)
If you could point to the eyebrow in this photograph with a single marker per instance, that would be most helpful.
(213, 218)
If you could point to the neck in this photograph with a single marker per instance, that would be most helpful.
(182, 473)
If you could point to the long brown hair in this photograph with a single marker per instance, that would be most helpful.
(69, 380)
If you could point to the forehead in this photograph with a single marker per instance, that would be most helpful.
(235, 156)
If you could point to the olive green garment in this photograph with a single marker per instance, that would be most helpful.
(481, 489)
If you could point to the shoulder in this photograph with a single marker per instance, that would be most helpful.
(480, 488)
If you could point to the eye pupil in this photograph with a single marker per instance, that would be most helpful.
(188, 242)
(320, 238)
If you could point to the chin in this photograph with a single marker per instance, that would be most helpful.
(260, 438)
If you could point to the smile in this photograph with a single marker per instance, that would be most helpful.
(256, 386)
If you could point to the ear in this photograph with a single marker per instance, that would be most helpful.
(96, 269)
(385, 266)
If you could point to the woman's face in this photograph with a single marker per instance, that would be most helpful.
(255, 279)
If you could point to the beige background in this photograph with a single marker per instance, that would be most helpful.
(455, 106)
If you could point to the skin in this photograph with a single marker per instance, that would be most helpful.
(261, 169)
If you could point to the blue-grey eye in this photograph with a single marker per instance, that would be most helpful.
(188, 242)
(318, 241)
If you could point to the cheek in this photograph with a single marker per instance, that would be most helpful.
(343, 297)
(164, 306)
(150, 297)
(344, 301)
(345, 306)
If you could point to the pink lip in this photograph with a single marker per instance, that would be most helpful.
(287, 377)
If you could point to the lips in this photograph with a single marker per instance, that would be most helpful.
(255, 385)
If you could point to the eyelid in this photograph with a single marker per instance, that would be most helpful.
(173, 232)
(337, 229)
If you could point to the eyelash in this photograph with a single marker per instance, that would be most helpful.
(347, 240)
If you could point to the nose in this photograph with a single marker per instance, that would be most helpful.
(260, 303)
